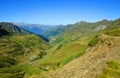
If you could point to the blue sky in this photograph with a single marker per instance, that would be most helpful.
(58, 11)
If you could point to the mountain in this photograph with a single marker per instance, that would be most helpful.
(113, 29)
(11, 28)
(3, 32)
(79, 29)
(35, 28)
(48, 31)
(71, 43)
(100, 59)
(53, 31)
(18, 48)
(83, 49)
(114, 25)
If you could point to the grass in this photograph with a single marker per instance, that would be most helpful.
(8, 47)
(28, 41)
(93, 41)
(7, 61)
(16, 71)
(32, 44)
(33, 71)
(112, 70)
(76, 55)
(12, 58)
(115, 32)
(61, 54)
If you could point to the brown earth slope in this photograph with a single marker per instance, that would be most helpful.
(93, 62)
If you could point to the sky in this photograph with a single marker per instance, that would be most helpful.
(56, 12)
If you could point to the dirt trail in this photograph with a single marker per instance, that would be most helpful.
(92, 63)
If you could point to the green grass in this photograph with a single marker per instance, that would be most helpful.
(7, 61)
(115, 32)
(32, 45)
(12, 50)
(9, 47)
(33, 71)
(8, 52)
(76, 55)
(16, 71)
(112, 70)
(61, 54)
(29, 41)
(93, 41)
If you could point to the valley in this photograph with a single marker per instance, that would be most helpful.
(80, 50)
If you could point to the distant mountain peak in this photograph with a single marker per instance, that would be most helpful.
(82, 22)
(12, 28)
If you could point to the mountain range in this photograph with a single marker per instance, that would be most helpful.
(80, 50)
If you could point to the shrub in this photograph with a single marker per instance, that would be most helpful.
(93, 41)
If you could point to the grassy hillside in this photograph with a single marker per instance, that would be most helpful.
(69, 44)
(112, 70)
(77, 47)
(100, 60)
(71, 41)
(94, 60)
(18, 48)
(80, 30)
(114, 25)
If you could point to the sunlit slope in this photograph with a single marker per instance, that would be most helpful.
(71, 43)
(93, 63)
(101, 59)
(80, 30)
(18, 49)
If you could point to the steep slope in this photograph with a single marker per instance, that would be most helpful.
(80, 29)
(18, 48)
(71, 43)
(94, 61)
(26, 55)
(11, 28)
(101, 59)
(113, 29)
(114, 25)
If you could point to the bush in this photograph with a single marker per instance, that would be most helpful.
(93, 41)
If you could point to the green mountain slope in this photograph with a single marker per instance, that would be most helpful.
(114, 25)
(81, 29)
(18, 47)
(97, 53)
(95, 62)
(72, 42)
(100, 60)
(113, 29)
(79, 50)
(11, 28)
